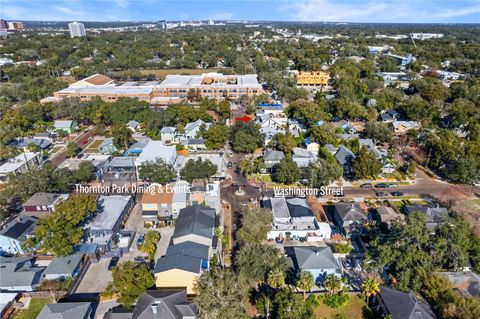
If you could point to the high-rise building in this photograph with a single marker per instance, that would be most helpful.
(15, 25)
(3, 24)
(76, 29)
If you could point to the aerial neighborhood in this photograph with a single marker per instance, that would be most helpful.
(231, 169)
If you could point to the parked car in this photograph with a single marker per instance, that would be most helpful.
(381, 185)
(140, 240)
(366, 185)
(381, 194)
(392, 185)
(113, 262)
(229, 164)
(397, 193)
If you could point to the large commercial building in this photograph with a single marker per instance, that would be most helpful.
(313, 79)
(212, 85)
(173, 89)
(76, 29)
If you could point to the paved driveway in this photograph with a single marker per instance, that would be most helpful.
(97, 277)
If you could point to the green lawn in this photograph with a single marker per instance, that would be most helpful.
(36, 305)
(355, 309)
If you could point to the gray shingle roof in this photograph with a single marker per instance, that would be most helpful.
(170, 304)
(67, 310)
(314, 258)
(404, 305)
(189, 248)
(41, 199)
(183, 262)
(198, 220)
(273, 155)
(350, 211)
(19, 272)
(344, 155)
(63, 265)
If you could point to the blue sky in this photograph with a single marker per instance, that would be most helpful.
(425, 11)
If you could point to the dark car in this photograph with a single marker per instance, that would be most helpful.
(229, 164)
(140, 240)
(397, 193)
(381, 185)
(366, 185)
(381, 194)
(392, 185)
(113, 262)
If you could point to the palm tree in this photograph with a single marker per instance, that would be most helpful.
(333, 284)
(370, 287)
(304, 281)
(276, 278)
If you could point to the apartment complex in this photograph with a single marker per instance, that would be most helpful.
(313, 78)
(212, 85)
(173, 89)
(76, 29)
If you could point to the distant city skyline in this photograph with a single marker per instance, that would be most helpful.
(384, 11)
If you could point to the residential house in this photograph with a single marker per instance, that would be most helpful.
(348, 214)
(402, 127)
(311, 145)
(133, 126)
(272, 158)
(105, 225)
(402, 305)
(156, 304)
(19, 274)
(433, 215)
(387, 214)
(319, 261)
(272, 126)
(347, 128)
(196, 144)
(296, 127)
(40, 204)
(182, 265)
(197, 193)
(168, 134)
(193, 128)
(303, 157)
(136, 148)
(19, 164)
(14, 234)
(212, 196)
(61, 268)
(181, 197)
(107, 146)
(392, 77)
(345, 158)
(39, 143)
(217, 159)
(389, 116)
(67, 126)
(293, 218)
(70, 310)
(331, 149)
(154, 151)
(157, 203)
(196, 224)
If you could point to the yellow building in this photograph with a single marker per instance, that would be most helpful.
(313, 78)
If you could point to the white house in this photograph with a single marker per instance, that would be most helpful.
(193, 128)
(19, 164)
(168, 134)
(303, 157)
(154, 151)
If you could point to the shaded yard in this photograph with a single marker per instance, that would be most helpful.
(36, 305)
(355, 309)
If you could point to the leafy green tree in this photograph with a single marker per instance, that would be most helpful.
(157, 172)
(366, 164)
(286, 172)
(304, 281)
(276, 278)
(333, 284)
(58, 232)
(370, 287)
(149, 245)
(323, 172)
(220, 294)
(430, 89)
(387, 64)
(285, 142)
(250, 165)
(255, 225)
(324, 134)
(129, 281)
(255, 261)
(246, 137)
(198, 169)
(378, 132)
(288, 305)
(216, 136)
(122, 136)
(72, 149)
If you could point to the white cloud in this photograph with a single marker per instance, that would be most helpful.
(222, 15)
(122, 3)
(377, 11)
